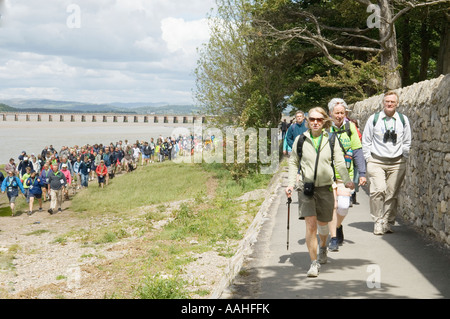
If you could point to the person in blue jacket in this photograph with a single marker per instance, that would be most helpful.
(45, 173)
(286, 149)
(35, 185)
(299, 127)
(11, 185)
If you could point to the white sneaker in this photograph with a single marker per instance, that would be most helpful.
(378, 228)
(314, 269)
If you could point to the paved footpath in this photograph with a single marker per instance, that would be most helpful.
(402, 264)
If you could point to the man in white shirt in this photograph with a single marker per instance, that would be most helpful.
(386, 142)
(136, 154)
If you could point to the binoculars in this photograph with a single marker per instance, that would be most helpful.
(390, 135)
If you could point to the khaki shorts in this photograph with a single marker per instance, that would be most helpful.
(321, 204)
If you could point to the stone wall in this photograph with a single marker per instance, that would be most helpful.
(425, 195)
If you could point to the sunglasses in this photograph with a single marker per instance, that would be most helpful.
(318, 120)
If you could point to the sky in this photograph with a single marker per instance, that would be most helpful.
(101, 51)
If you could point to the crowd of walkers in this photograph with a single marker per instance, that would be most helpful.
(52, 174)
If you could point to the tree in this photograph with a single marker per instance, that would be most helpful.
(223, 70)
(241, 77)
(333, 39)
(443, 63)
(266, 54)
(356, 80)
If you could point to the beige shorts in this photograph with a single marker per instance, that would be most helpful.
(321, 204)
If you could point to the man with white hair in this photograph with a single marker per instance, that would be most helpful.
(386, 144)
(347, 137)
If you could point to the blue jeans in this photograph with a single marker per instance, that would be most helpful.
(84, 180)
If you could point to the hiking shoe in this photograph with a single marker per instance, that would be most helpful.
(40, 209)
(378, 228)
(340, 235)
(29, 213)
(314, 269)
(333, 244)
(50, 211)
(322, 255)
(387, 228)
(59, 210)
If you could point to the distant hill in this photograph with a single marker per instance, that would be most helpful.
(44, 105)
(6, 108)
(166, 109)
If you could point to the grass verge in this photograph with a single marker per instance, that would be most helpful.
(207, 217)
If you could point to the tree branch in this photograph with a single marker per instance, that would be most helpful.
(364, 2)
(314, 36)
(410, 5)
(317, 40)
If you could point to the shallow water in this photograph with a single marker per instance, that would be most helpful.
(33, 136)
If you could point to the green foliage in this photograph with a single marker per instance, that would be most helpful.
(131, 192)
(240, 77)
(223, 70)
(272, 56)
(159, 287)
(419, 36)
(210, 222)
(205, 224)
(310, 94)
(356, 80)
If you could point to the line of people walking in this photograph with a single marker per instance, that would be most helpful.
(52, 175)
(329, 160)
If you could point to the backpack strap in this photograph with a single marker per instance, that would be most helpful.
(331, 142)
(402, 118)
(301, 140)
(375, 118)
(377, 114)
(347, 129)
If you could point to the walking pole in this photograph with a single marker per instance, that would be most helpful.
(289, 211)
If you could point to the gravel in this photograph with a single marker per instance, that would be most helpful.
(37, 263)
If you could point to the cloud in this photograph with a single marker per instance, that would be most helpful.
(141, 50)
(184, 35)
